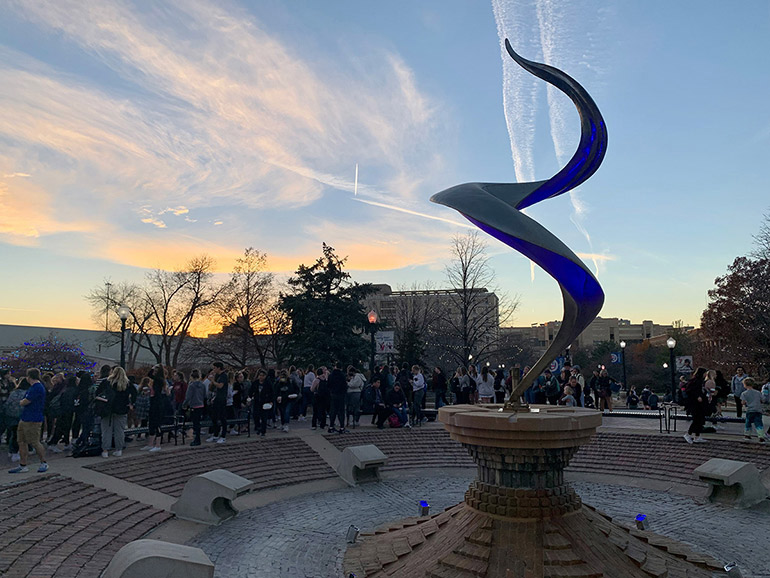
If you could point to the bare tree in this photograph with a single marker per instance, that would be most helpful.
(471, 325)
(762, 239)
(415, 314)
(164, 308)
(252, 323)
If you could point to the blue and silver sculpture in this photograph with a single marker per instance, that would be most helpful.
(496, 209)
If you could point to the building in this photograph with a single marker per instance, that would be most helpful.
(100, 346)
(435, 312)
(601, 329)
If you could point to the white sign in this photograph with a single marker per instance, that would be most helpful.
(385, 342)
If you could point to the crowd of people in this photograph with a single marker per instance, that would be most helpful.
(62, 410)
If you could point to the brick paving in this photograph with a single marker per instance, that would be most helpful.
(665, 458)
(305, 537)
(268, 462)
(726, 533)
(656, 457)
(420, 447)
(53, 526)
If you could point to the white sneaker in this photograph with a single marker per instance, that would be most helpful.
(285, 429)
(302, 418)
(155, 449)
(699, 440)
(15, 457)
(146, 448)
(212, 439)
(105, 454)
(54, 450)
(67, 448)
(688, 438)
(221, 440)
(117, 453)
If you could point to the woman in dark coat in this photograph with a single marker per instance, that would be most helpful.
(157, 406)
(697, 405)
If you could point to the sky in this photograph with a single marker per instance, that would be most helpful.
(138, 135)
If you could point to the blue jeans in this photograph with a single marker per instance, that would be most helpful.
(285, 410)
(353, 401)
(401, 414)
(307, 400)
(754, 418)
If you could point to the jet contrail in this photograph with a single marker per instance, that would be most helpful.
(355, 186)
(410, 212)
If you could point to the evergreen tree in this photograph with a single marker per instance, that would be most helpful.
(325, 313)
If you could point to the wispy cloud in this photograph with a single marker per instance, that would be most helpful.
(410, 212)
(219, 111)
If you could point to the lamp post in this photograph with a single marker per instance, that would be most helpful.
(372, 317)
(123, 313)
(623, 355)
(671, 342)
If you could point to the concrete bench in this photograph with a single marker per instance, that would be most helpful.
(155, 559)
(360, 464)
(731, 482)
(208, 498)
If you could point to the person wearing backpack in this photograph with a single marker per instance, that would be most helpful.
(121, 398)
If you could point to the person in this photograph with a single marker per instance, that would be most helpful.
(179, 388)
(195, 400)
(604, 390)
(155, 415)
(464, 386)
(381, 410)
(286, 393)
(12, 412)
(63, 424)
(81, 425)
(696, 405)
(356, 384)
(338, 387)
(473, 374)
(218, 384)
(632, 399)
(297, 378)
(115, 419)
(240, 388)
(752, 399)
(551, 388)
(499, 385)
(485, 385)
(736, 386)
(396, 401)
(580, 393)
(262, 399)
(439, 387)
(568, 399)
(321, 398)
(645, 397)
(30, 427)
(307, 394)
(142, 406)
(418, 393)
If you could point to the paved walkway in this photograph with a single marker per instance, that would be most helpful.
(627, 451)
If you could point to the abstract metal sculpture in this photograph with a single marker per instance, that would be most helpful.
(496, 209)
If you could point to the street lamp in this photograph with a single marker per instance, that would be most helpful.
(372, 317)
(123, 312)
(671, 342)
(623, 355)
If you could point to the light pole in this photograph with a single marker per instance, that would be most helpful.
(123, 313)
(372, 317)
(671, 342)
(623, 355)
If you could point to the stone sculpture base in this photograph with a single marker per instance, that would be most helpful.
(519, 518)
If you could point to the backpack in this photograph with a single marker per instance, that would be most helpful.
(393, 420)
